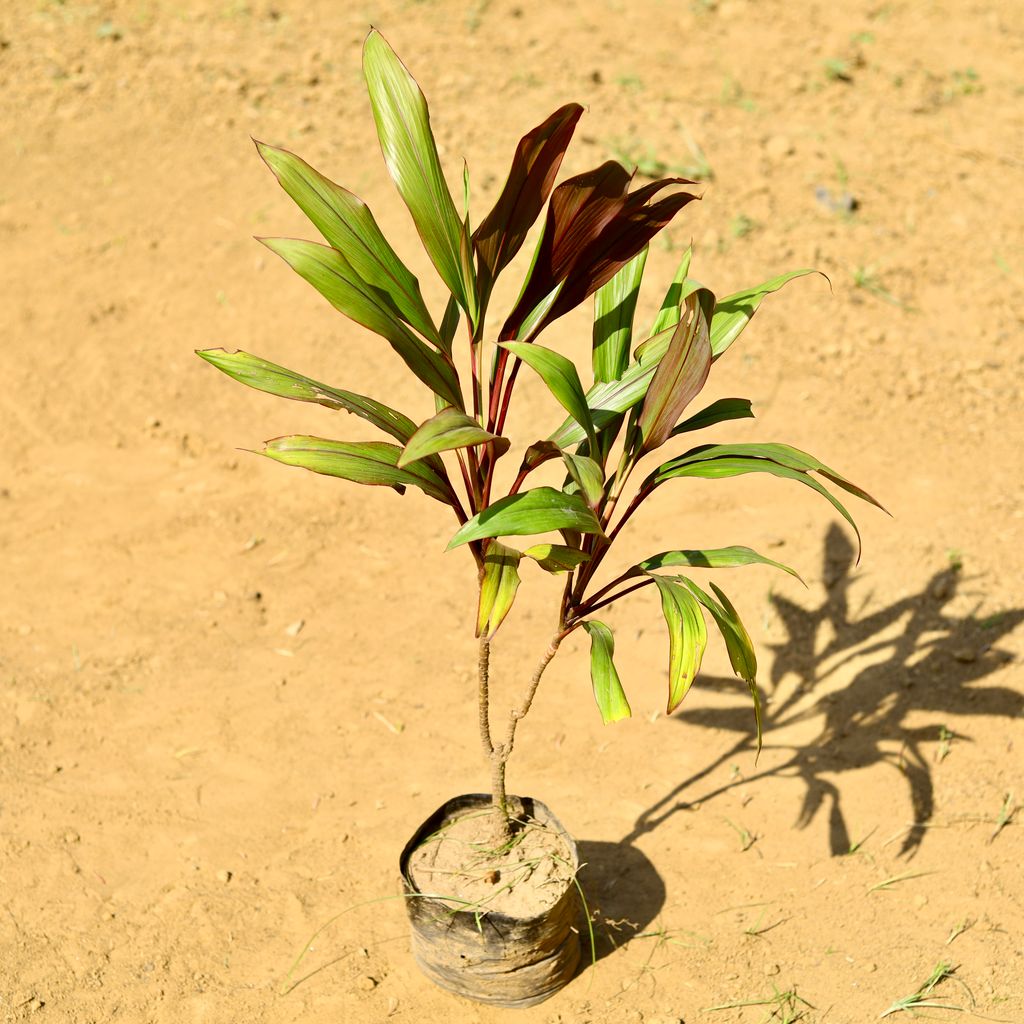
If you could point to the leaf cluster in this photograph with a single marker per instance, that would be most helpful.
(593, 242)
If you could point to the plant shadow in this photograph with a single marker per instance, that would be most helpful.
(924, 658)
(623, 890)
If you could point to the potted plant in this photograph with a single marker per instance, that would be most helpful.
(490, 878)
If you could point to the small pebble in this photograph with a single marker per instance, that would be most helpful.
(965, 655)
(366, 983)
(224, 876)
(842, 203)
(771, 970)
(71, 836)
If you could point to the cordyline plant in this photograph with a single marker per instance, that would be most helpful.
(594, 242)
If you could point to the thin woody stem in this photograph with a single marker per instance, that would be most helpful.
(524, 706)
(498, 754)
(483, 700)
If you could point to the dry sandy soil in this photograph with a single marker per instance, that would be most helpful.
(191, 784)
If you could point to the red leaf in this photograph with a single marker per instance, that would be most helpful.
(593, 228)
(681, 373)
(534, 166)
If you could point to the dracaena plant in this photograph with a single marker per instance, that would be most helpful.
(593, 242)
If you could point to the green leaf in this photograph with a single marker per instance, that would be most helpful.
(535, 511)
(449, 323)
(403, 127)
(587, 475)
(614, 306)
(276, 380)
(448, 430)
(737, 642)
(716, 412)
(608, 692)
(681, 372)
(650, 352)
(784, 455)
(609, 400)
(718, 469)
(555, 558)
(716, 462)
(561, 378)
(336, 280)
(367, 462)
(733, 313)
(497, 588)
(347, 224)
(688, 637)
(668, 315)
(710, 558)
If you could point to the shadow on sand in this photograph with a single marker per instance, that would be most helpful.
(923, 658)
(926, 659)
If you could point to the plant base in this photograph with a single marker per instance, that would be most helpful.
(483, 954)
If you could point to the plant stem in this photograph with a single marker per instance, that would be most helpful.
(594, 603)
(467, 482)
(497, 378)
(483, 669)
(507, 397)
(498, 754)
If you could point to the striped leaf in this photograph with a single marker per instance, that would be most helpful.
(709, 558)
(587, 476)
(733, 313)
(555, 558)
(336, 280)
(608, 692)
(737, 642)
(562, 380)
(687, 635)
(716, 462)
(717, 412)
(276, 380)
(403, 127)
(531, 177)
(536, 511)
(614, 306)
(669, 313)
(681, 372)
(448, 430)
(366, 462)
(347, 224)
(497, 587)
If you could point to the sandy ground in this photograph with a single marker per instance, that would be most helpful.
(192, 783)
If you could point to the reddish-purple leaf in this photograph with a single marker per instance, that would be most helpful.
(594, 227)
(534, 166)
(681, 373)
